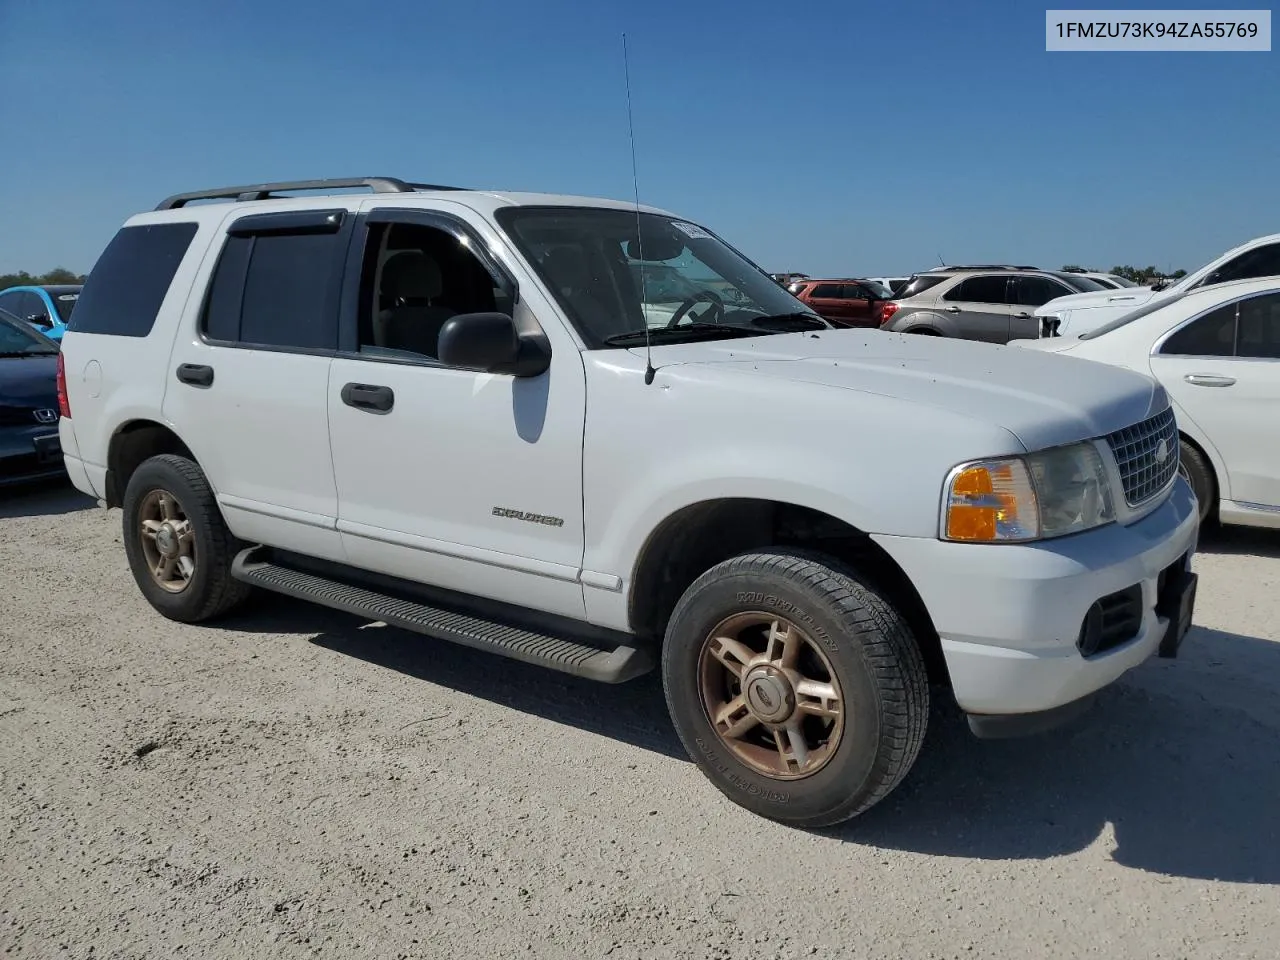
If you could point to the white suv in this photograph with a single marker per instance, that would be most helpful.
(435, 408)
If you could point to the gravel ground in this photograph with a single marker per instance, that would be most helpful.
(297, 783)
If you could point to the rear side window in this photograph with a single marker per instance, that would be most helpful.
(980, 290)
(828, 290)
(124, 291)
(918, 285)
(276, 289)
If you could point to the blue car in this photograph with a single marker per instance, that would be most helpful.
(47, 308)
(29, 445)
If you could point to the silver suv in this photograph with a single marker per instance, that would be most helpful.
(991, 302)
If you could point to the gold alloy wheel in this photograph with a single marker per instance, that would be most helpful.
(168, 541)
(771, 695)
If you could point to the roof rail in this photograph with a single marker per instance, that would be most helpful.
(982, 266)
(265, 191)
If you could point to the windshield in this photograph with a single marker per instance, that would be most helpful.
(613, 284)
(1083, 284)
(1121, 281)
(17, 337)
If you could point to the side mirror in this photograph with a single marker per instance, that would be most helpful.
(491, 343)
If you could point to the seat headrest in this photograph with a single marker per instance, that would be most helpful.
(412, 275)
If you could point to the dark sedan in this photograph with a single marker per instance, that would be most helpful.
(29, 447)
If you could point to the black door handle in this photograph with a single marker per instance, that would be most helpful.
(196, 374)
(365, 396)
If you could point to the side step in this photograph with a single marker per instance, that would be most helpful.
(516, 643)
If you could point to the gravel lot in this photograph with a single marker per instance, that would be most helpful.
(297, 783)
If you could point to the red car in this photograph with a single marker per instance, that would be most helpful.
(843, 302)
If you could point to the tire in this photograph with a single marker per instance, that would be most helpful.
(207, 589)
(874, 664)
(1199, 474)
(924, 331)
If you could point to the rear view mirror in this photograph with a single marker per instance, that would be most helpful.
(490, 342)
(40, 320)
(656, 243)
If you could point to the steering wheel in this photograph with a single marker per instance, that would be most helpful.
(710, 296)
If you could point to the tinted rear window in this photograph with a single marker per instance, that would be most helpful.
(124, 291)
(919, 285)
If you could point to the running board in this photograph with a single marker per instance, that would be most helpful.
(606, 666)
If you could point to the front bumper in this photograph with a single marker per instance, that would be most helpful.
(29, 453)
(1009, 616)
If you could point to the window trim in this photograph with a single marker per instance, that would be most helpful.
(455, 226)
(1157, 348)
(281, 224)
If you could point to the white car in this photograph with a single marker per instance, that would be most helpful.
(1216, 351)
(1109, 280)
(1084, 311)
(434, 408)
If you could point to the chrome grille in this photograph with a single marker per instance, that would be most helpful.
(1137, 450)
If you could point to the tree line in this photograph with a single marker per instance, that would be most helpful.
(1139, 275)
(24, 279)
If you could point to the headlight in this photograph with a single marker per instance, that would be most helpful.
(1014, 499)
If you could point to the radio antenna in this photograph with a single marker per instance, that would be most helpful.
(635, 183)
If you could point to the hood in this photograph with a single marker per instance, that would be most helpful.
(1041, 398)
(1128, 298)
(29, 381)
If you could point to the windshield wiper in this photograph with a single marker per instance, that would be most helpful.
(682, 332)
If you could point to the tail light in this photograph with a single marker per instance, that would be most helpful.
(64, 403)
(886, 311)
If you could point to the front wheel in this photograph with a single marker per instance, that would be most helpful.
(1198, 473)
(178, 545)
(797, 689)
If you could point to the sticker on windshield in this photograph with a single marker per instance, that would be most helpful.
(691, 230)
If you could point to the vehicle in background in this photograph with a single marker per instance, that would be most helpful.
(985, 302)
(786, 279)
(1110, 280)
(1080, 313)
(1216, 351)
(29, 446)
(46, 307)
(843, 302)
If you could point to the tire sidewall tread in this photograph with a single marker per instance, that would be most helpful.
(882, 676)
(212, 590)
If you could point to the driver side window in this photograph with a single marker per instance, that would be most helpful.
(415, 278)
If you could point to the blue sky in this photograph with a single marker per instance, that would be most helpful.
(854, 139)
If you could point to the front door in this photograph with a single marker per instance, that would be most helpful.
(467, 481)
(247, 379)
(1223, 371)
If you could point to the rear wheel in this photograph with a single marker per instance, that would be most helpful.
(178, 545)
(1193, 465)
(798, 690)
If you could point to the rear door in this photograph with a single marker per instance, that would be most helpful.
(249, 375)
(978, 307)
(1026, 293)
(1223, 371)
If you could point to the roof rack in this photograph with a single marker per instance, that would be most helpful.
(267, 191)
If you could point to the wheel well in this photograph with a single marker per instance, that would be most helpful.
(926, 331)
(696, 538)
(133, 443)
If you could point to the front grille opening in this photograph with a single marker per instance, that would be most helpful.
(1147, 455)
(1111, 622)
